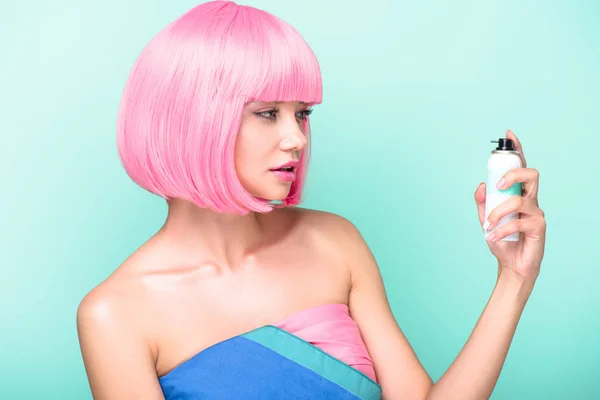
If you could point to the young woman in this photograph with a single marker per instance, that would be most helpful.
(242, 294)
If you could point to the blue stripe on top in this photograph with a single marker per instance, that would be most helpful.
(267, 363)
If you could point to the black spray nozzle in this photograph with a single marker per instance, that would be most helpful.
(504, 144)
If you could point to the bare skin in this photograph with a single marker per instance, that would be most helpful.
(205, 277)
(168, 302)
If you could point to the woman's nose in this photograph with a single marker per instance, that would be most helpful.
(293, 139)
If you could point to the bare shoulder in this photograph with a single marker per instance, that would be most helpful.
(330, 225)
(123, 295)
(109, 303)
(114, 301)
(397, 367)
(340, 235)
(111, 312)
(112, 329)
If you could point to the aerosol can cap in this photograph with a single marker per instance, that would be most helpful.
(505, 144)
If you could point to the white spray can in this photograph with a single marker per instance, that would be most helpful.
(503, 159)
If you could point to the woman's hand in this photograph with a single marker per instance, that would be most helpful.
(523, 258)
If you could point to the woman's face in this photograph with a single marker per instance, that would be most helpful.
(268, 147)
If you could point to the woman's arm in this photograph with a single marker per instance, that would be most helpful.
(118, 362)
(475, 371)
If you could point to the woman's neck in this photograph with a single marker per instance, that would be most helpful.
(227, 239)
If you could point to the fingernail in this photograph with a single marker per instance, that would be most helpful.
(500, 183)
(486, 225)
(491, 237)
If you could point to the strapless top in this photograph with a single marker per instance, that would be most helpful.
(317, 353)
(330, 328)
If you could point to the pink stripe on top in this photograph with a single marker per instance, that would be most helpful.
(331, 328)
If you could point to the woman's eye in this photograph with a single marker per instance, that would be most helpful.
(270, 115)
(304, 114)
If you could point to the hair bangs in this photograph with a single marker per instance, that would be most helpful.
(279, 64)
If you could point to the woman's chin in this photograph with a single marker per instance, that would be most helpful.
(276, 195)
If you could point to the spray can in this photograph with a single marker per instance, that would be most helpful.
(503, 159)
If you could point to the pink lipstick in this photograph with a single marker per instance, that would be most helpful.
(286, 172)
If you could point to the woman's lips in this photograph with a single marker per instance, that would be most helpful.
(286, 172)
(286, 176)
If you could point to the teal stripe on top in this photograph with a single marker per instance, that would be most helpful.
(315, 359)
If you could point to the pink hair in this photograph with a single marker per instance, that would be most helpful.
(182, 104)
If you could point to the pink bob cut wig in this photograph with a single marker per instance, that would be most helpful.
(182, 104)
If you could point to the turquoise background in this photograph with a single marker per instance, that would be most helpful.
(413, 94)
